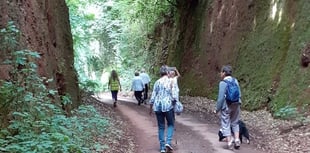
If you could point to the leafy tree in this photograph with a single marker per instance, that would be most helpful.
(118, 32)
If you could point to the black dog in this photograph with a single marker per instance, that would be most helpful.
(243, 132)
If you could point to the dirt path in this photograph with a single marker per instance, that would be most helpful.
(191, 135)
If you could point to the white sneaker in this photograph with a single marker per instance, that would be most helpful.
(168, 148)
(237, 143)
(230, 144)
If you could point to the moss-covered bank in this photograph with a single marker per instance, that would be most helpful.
(262, 40)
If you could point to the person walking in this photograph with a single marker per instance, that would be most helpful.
(230, 110)
(114, 86)
(146, 81)
(138, 87)
(174, 75)
(161, 103)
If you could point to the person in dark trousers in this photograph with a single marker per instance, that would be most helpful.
(138, 87)
(161, 103)
(114, 86)
(146, 81)
(230, 112)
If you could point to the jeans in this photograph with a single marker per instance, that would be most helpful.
(114, 95)
(161, 116)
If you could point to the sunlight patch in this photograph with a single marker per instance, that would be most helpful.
(276, 10)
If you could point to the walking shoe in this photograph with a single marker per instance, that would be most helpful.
(114, 104)
(230, 145)
(168, 148)
(237, 144)
(162, 151)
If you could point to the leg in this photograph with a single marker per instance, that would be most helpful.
(226, 127)
(114, 97)
(137, 97)
(170, 129)
(140, 96)
(116, 92)
(234, 118)
(161, 129)
(146, 90)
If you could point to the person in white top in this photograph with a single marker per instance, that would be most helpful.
(174, 75)
(146, 81)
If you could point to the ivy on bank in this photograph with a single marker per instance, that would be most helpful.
(36, 122)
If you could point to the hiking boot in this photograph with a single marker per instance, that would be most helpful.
(237, 144)
(168, 148)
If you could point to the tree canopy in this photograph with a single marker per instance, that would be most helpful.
(113, 34)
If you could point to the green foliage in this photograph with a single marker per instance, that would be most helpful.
(37, 124)
(113, 36)
(287, 112)
(90, 85)
(9, 37)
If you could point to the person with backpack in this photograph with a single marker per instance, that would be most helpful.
(161, 103)
(228, 104)
(114, 85)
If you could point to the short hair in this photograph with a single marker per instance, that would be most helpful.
(136, 73)
(163, 70)
(227, 69)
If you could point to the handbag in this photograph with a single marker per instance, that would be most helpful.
(178, 107)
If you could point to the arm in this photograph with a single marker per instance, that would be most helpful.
(239, 90)
(119, 83)
(221, 96)
(109, 83)
(173, 89)
(177, 72)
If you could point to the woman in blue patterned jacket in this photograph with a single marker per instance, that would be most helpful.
(161, 103)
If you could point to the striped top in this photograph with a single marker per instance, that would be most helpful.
(114, 84)
(162, 95)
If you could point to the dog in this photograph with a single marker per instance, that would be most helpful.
(243, 132)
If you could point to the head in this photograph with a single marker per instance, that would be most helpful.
(143, 70)
(114, 74)
(172, 74)
(226, 71)
(163, 70)
(136, 73)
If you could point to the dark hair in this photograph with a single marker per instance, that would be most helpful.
(136, 73)
(163, 70)
(227, 69)
(114, 75)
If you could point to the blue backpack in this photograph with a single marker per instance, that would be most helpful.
(232, 91)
